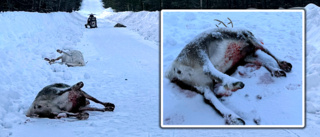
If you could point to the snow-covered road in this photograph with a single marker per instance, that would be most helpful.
(122, 68)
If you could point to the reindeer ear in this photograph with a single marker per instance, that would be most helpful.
(247, 33)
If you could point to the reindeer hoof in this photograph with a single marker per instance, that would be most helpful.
(87, 102)
(279, 73)
(109, 106)
(230, 120)
(286, 66)
(238, 85)
(240, 121)
(234, 86)
(83, 116)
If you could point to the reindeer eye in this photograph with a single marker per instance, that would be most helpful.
(179, 71)
(38, 106)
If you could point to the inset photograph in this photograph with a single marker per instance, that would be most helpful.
(232, 68)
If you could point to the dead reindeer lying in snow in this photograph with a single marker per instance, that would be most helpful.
(205, 62)
(61, 100)
(71, 59)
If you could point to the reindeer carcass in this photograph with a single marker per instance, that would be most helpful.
(71, 59)
(206, 61)
(119, 25)
(61, 100)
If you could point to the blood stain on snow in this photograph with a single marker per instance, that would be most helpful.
(290, 57)
(188, 93)
(246, 71)
(252, 66)
(174, 120)
(265, 79)
(244, 74)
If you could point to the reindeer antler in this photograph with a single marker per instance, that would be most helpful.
(220, 22)
(230, 22)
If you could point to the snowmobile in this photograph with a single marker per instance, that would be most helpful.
(92, 22)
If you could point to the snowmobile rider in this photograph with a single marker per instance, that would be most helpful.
(90, 19)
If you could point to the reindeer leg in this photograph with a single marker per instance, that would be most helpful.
(60, 51)
(51, 61)
(79, 85)
(230, 117)
(229, 83)
(267, 64)
(92, 109)
(108, 106)
(286, 66)
(80, 116)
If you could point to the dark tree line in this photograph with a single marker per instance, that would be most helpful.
(133, 5)
(234, 4)
(40, 5)
(151, 5)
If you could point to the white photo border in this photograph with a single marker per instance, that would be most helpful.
(303, 12)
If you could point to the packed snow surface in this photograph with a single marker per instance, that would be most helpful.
(123, 68)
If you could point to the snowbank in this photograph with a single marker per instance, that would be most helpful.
(313, 59)
(25, 39)
(143, 22)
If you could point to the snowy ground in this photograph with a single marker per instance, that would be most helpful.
(284, 40)
(113, 55)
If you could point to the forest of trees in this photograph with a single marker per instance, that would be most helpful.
(133, 5)
(152, 5)
(234, 4)
(149, 5)
(40, 5)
